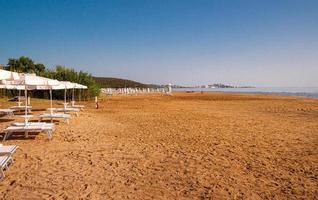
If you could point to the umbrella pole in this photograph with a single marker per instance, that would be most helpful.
(65, 95)
(51, 100)
(65, 104)
(73, 98)
(26, 108)
(19, 96)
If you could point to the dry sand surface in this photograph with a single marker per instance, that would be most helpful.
(185, 146)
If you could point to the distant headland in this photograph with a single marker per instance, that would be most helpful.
(215, 85)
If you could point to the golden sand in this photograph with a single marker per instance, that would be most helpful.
(185, 146)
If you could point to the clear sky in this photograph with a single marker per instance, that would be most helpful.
(242, 42)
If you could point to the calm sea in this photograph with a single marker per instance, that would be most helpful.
(289, 91)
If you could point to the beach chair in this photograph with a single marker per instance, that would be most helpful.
(21, 108)
(5, 162)
(68, 110)
(81, 107)
(7, 112)
(29, 128)
(32, 124)
(7, 149)
(52, 116)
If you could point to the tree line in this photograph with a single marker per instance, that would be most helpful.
(27, 65)
(108, 82)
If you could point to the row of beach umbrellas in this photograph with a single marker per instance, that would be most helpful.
(22, 81)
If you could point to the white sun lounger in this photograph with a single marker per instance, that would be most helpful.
(52, 116)
(81, 107)
(32, 123)
(8, 112)
(7, 149)
(68, 110)
(21, 108)
(28, 128)
(5, 162)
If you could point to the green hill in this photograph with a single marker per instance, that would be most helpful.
(108, 82)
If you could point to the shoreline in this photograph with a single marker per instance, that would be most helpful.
(222, 90)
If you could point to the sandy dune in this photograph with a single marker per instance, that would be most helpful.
(185, 146)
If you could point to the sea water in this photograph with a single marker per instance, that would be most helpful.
(289, 91)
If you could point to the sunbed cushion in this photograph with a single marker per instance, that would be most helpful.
(8, 149)
(4, 160)
(54, 115)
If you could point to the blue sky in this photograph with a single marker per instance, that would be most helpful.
(247, 42)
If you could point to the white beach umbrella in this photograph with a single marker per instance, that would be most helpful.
(15, 86)
(79, 86)
(42, 83)
(31, 81)
(10, 86)
(8, 75)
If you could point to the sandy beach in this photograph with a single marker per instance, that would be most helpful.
(185, 146)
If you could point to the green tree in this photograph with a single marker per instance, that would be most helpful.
(25, 65)
(63, 73)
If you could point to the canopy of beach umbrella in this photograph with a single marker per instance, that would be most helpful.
(43, 82)
(8, 75)
(11, 76)
(30, 82)
(10, 86)
(79, 86)
(61, 86)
